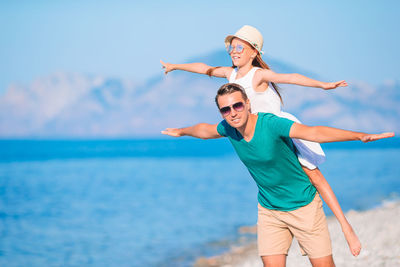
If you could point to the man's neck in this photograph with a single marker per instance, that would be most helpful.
(247, 130)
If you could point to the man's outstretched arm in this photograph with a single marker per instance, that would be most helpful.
(201, 130)
(323, 134)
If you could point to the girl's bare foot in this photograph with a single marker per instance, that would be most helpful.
(352, 241)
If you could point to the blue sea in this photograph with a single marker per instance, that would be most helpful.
(147, 202)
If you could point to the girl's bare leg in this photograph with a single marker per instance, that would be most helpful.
(324, 189)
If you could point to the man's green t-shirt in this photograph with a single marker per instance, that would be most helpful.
(271, 160)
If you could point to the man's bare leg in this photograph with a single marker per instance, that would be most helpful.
(274, 260)
(323, 262)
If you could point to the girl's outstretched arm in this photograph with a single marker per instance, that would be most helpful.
(200, 68)
(323, 134)
(295, 78)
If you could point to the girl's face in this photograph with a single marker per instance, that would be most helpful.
(244, 57)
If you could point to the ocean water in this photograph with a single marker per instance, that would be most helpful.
(151, 202)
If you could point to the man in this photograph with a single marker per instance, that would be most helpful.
(289, 204)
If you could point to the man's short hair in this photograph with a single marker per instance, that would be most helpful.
(230, 88)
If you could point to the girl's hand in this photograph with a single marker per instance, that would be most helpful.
(175, 132)
(328, 86)
(168, 67)
(373, 137)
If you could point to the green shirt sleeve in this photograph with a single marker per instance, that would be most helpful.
(222, 128)
(280, 126)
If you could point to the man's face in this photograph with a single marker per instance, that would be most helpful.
(234, 109)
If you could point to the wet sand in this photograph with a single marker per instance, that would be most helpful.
(378, 230)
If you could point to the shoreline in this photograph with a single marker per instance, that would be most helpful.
(377, 229)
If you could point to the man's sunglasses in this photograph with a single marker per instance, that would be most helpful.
(239, 48)
(225, 111)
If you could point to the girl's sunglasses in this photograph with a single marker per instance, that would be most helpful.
(225, 111)
(239, 48)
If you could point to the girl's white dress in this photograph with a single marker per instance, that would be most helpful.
(310, 154)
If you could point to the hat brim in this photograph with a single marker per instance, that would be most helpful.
(228, 40)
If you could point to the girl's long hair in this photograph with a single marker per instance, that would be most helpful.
(257, 62)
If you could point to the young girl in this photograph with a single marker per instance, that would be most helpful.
(259, 82)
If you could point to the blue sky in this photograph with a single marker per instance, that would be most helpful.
(352, 40)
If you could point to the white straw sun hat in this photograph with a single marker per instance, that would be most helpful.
(249, 34)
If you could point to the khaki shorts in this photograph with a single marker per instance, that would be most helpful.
(275, 230)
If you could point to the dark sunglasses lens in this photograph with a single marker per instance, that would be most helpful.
(225, 111)
(238, 106)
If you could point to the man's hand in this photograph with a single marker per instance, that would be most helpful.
(373, 137)
(175, 132)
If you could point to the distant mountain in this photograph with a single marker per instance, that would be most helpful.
(75, 105)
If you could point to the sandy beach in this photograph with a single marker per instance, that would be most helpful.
(378, 230)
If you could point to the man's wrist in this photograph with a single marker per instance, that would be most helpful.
(181, 131)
